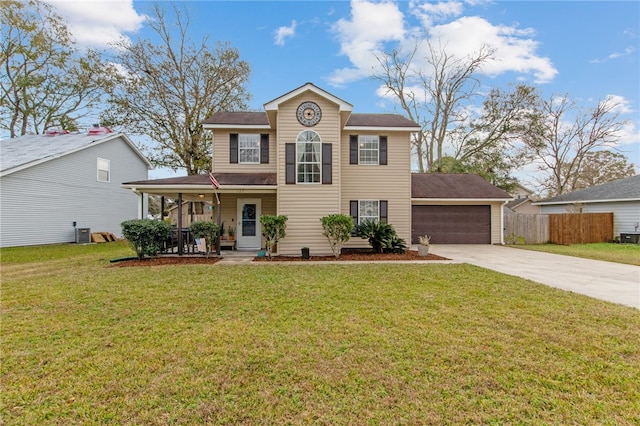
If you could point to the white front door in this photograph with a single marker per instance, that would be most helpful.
(249, 235)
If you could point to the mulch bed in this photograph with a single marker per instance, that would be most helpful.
(347, 255)
(359, 255)
(169, 260)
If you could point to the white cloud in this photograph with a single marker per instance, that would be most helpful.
(363, 35)
(515, 49)
(374, 27)
(98, 23)
(283, 33)
(428, 13)
(619, 104)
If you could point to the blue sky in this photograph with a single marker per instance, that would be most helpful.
(587, 49)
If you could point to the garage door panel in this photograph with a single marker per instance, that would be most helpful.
(452, 224)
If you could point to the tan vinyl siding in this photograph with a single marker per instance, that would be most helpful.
(391, 182)
(221, 162)
(496, 223)
(305, 204)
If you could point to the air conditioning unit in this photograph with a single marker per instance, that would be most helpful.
(83, 235)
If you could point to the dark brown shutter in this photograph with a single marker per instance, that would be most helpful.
(353, 149)
(233, 148)
(353, 210)
(384, 208)
(326, 164)
(264, 148)
(383, 151)
(290, 163)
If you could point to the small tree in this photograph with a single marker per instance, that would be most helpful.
(381, 235)
(337, 228)
(207, 230)
(273, 230)
(146, 236)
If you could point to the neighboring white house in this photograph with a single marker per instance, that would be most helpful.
(53, 184)
(622, 197)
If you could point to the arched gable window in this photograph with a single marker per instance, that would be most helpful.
(308, 157)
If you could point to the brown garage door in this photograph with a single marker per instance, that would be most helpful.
(452, 224)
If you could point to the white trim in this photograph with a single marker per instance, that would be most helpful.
(459, 200)
(274, 104)
(237, 126)
(253, 242)
(618, 200)
(379, 128)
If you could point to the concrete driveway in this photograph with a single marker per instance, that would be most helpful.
(608, 281)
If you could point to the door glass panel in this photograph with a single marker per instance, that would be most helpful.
(249, 220)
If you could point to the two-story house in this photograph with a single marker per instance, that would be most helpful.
(53, 185)
(308, 155)
(305, 156)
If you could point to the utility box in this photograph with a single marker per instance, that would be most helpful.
(83, 235)
(630, 238)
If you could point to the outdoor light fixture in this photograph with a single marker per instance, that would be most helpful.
(201, 195)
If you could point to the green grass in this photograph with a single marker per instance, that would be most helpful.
(610, 252)
(84, 343)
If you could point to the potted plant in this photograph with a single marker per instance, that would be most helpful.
(232, 233)
(423, 246)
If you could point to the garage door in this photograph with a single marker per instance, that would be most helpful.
(452, 224)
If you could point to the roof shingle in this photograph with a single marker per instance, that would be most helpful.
(454, 186)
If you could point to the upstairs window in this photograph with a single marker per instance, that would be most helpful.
(308, 157)
(104, 170)
(368, 149)
(248, 148)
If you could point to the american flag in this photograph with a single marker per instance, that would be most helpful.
(213, 180)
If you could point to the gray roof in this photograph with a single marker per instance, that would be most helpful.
(622, 189)
(224, 179)
(26, 151)
(238, 118)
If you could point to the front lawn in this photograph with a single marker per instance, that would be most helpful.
(83, 343)
(610, 252)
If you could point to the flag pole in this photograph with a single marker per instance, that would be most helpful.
(219, 220)
(216, 185)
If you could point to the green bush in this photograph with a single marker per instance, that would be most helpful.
(207, 230)
(337, 228)
(273, 230)
(381, 235)
(146, 236)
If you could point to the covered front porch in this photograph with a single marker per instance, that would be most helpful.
(236, 206)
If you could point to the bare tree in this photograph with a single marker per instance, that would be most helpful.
(562, 136)
(597, 167)
(45, 80)
(168, 90)
(433, 97)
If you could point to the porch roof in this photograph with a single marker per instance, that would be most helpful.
(200, 184)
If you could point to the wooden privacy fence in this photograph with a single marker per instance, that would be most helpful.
(580, 228)
(526, 228)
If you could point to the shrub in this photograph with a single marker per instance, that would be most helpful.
(273, 230)
(381, 235)
(207, 230)
(337, 228)
(146, 236)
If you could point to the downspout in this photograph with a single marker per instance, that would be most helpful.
(180, 242)
(502, 222)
